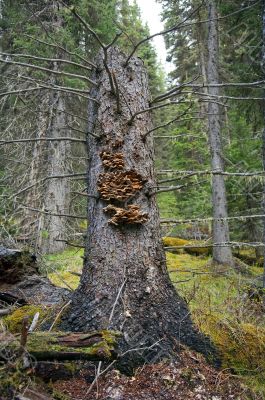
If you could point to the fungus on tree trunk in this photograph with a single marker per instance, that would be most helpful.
(125, 285)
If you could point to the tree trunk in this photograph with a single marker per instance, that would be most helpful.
(57, 195)
(49, 159)
(263, 141)
(221, 255)
(125, 284)
(32, 221)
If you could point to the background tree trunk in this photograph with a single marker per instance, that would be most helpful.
(263, 139)
(221, 255)
(125, 285)
(57, 196)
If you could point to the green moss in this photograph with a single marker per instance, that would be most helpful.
(176, 241)
(14, 320)
(12, 379)
(41, 343)
(242, 345)
(61, 265)
(220, 308)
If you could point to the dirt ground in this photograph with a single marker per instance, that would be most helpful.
(188, 378)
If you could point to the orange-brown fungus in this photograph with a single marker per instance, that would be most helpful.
(119, 185)
(112, 160)
(131, 215)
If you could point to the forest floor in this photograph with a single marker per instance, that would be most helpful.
(224, 304)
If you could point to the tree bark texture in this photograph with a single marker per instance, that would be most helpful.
(221, 255)
(57, 195)
(263, 138)
(50, 158)
(125, 284)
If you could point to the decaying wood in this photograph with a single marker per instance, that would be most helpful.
(5, 311)
(45, 346)
(15, 265)
(10, 299)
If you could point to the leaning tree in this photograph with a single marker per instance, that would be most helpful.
(125, 285)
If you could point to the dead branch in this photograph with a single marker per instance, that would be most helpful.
(174, 188)
(69, 139)
(53, 214)
(51, 71)
(174, 28)
(149, 109)
(191, 220)
(53, 60)
(187, 174)
(63, 49)
(167, 123)
(85, 24)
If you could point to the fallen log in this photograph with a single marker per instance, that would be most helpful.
(62, 346)
(16, 264)
(10, 299)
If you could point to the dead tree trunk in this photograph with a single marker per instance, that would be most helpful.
(222, 254)
(57, 195)
(125, 284)
(32, 220)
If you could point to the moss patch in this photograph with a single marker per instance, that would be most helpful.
(191, 246)
(14, 321)
(222, 310)
(62, 267)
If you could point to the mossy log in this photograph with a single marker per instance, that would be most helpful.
(193, 247)
(60, 346)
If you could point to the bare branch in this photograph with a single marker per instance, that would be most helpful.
(53, 214)
(53, 60)
(63, 49)
(167, 123)
(51, 71)
(208, 172)
(174, 28)
(191, 220)
(174, 91)
(85, 24)
(51, 139)
(46, 178)
(171, 103)
(174, 188)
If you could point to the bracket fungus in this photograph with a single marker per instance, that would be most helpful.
(131, 215)
(119, 186)
(112, 160)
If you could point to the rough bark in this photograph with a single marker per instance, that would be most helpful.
(32, 222)
(221, 255)
(57, 195)
(49, 158)
(125, 284)
(263, 138)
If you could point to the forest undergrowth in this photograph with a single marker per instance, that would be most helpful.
(225, 305)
